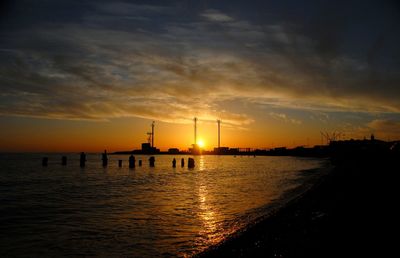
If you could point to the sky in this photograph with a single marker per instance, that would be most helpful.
(93, 75)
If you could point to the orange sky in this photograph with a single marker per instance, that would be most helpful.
(275, 76)
(30, 134)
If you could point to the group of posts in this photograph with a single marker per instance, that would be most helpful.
(132, 161)
(190, 163)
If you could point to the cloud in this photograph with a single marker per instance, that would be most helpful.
(283, 117)
(385, 126)
(122, 59)
(216, 16)
(97, 81)
(126, 8)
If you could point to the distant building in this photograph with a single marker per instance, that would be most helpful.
(279, 151)
(221, 150)
(234, 151)
(173, 151)
(146, 148)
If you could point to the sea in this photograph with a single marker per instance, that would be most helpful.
(144, 211)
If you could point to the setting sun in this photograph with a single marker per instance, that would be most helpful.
(201, 143)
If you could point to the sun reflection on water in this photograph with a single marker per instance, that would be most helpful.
(201, 163)
(209, 217)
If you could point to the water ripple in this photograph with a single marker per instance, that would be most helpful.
(145, 212)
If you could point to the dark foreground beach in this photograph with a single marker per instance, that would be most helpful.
(351, 212)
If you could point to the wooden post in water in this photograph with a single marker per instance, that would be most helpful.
(190, 163)
(104, 158)
(45, 161)
(82, 160)
(151, 161)
(131, 161)
(64, 160)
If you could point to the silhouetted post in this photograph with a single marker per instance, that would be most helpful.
(182, 162)
(45, 161)
(120, 163)
(131, 161)
(190, 163)
(64, 160)
(151, 161)
(140, 162)
(219, 135)
(82, 160)
(104, 158)
(174, 163)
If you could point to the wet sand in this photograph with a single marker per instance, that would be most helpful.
(351, 212)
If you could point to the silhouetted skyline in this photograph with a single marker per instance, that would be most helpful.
(92, 75)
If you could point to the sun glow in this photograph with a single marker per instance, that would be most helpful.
(201, 143)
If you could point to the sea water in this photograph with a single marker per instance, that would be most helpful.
(142, 212)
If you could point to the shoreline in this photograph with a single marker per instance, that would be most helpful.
(288, 198)
(346, 212)
(277, 206)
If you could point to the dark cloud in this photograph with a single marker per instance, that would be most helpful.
(169, 60)
(385, 125)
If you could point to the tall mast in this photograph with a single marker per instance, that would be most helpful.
(152, 134)
(195, 130)
(219, 133)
